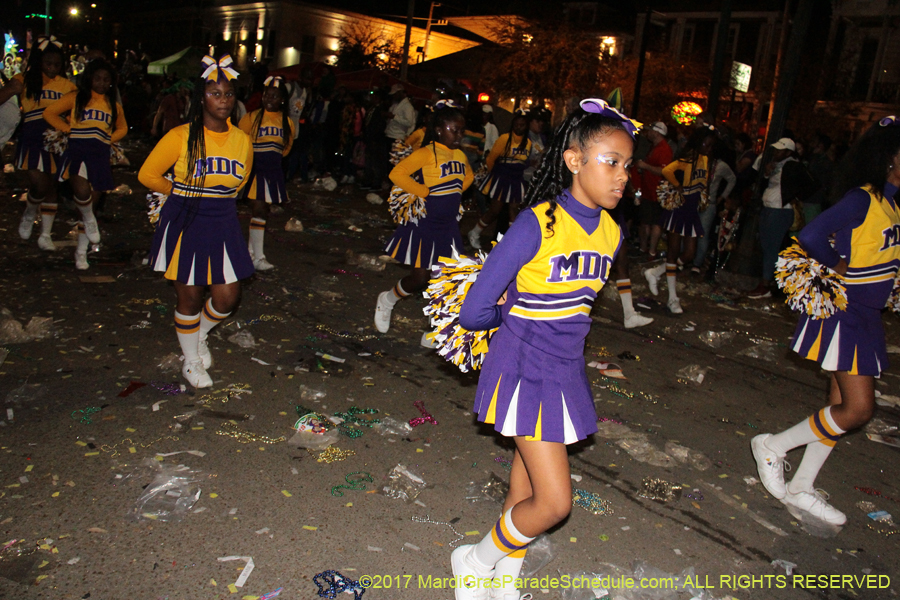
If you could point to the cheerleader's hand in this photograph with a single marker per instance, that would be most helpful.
(841, 267)
(502, 300)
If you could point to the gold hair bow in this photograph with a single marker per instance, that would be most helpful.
(43, 42)
(215, 70)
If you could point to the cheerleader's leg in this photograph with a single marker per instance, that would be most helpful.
(260, 213)
(85, 196)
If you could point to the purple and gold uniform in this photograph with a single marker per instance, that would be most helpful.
(685, 220)
(533, 382)
(30, 153)
(866, 228)
(198, 238)
(90, 136)
(507, 169)
(440, 176)
(267, 179)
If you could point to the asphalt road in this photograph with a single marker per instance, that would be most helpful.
(70, 478)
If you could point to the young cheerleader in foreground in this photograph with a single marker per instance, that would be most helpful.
(97, 121)
(198, 241)
(272, 132)
(538, 286)
(439, 173)
(850, 344)
(37, 88)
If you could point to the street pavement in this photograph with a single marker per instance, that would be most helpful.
(71, 476)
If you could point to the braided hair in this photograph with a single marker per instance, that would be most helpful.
(579, 130)
(285, 116)
(691, 152)
(34, 72)
(868, 160)
(523, 143)
(439, 119)
(85, 90)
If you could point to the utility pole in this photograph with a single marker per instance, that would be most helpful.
(715, 85)
(404, 66)
(428, 31)
(638, 80)
(47, 18)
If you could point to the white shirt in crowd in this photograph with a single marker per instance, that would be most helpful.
(404, 121)
(772, 195)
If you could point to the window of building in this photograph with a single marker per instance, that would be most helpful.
(581, 13)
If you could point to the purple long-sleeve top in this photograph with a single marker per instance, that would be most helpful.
(562, 275)
(866, 234)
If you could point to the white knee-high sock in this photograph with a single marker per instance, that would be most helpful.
(658, 270)
(187, 327)
(508, 568)
(85, 207)
(83, 241)
(814, 457)
(209, 318)
(671, 270)
(503, 539)
(396, 295)
(479, 226)
(819, 427)
(48, 214)
(624, 287)
(31, 206)
(257, 232)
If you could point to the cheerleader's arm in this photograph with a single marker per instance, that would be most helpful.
(496, 151)
(470, 175)
(480, 310)
(53, 113)
(290, 142)
(669, 172)
(401, 175)
(248, 164)
(164, 155)
(846, 215)
(121, 125)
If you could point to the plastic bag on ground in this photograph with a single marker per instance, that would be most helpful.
(685, 455)
(373, 198)
(293, 224)
(12, 332)
(492, 488)
(366, 261)
(308, 393)
(314, 441)
(326, 183)
(171, 495)
(540, 553)
(242, 338)
(170, 362)
(694, 373)
(644, 571)
(762, 350)
(716, 339)
(391, 426)
(24, 393)
(403, 484)
(643, 451)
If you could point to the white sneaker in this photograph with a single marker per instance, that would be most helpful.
(81, 262)
(652, 281)
(91, 229)
(427, 342)
(383, 312)
(196, 375)
(675, 306)
(769, 465)
(637, 320)
(204, 353)
(815, 503)
(26, 225)
(475, 239)
(45, 242)
(261, 264)
(472, 584)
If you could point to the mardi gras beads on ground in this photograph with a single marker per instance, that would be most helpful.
(232, 391)
(129, 443)
(425, 418)
(333, 454)
(229, 429)
(355, 484)
(332, 583)
(84, 415)
(430, 521)
(591, 502)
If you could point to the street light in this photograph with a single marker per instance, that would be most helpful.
(73, 11)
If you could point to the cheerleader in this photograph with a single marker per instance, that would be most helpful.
(538, 286)
(39, 86)
(506, 184)
(198, 241)
(272, 132)
(683, 223)
(865, 225)
(97, 121)
(439, 173)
